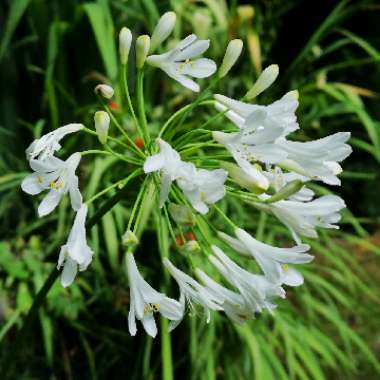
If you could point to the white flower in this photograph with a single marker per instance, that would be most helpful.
(168, 161)
(272, 260)
(317, 159)
(75, 254)
(233, 304)
(125, 41)
(163, 29)
(279, 114)
(178, 65)
(46, 145)
(202, 187)
(257, 291)
(192, 291)
(302, 218)
(232, 54)
(104, 90)
(57, 176)
(145, 301)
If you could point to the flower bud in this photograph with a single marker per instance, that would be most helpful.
(163, 29)
(245, 12)
(102, 124)
(191, 246)
(104, 90)
(266, 78)
(233, 52)
(181, 214)
(256, 182)
(129, 239)
(142, 49)
(125, 40)
(286, 191)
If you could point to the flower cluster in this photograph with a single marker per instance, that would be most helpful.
(256, 162)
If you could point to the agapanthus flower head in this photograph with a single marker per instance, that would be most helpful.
(178, 63)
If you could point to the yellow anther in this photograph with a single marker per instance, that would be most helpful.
(156, 307)
(53, 185)
(146, 309)
(285, 267)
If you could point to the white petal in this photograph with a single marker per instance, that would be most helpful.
(49, 203)
(32, 184)
(196, 48)
(149, 324)
(69, 272)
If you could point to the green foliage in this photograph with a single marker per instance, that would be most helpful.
(327, 329)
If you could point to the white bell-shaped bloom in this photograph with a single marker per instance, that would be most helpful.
(46, 145)
(75, 254)
(273, 261)
(202, 187)
(168, 162)
(58, 177)
(279, 114)
(192, 291)
(302, 218)
(318, 159)
(257, 291)
(233, 305)
(178, 63)
(145, 301)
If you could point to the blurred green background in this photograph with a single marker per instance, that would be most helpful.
(53, 53)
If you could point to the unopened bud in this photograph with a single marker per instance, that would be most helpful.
(104, 90)
(129, 239)
(233, 52)
(125, 41)
(181, 214)
(286, 191)
(102, 125)
(255, 182)
(191, 246)
(162, 30)
(266, 78)
(142, 49)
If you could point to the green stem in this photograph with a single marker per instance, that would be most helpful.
(226, 218)
(141, 108)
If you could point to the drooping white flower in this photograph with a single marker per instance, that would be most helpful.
(202, 187)
(168, 161)
(279, 114)
(192, 291)
(163, 29)
(75, 254)
(302, 218)
(46, 145)
(318, 159)
(145, 301)
(272, 260)
(257, 291)
(233, 304)
(58, 177)
(178, 63)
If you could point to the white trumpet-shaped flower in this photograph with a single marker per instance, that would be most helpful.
(75, 254)
(146, 301)
(257, 291)
(318, 159)
(279, 114)
(168, 161)
(302, 218)
(192, 291)
(58, 177)
(202, 187)
(272, 260)
(233, 304)
(46, 145)
(178, 63)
